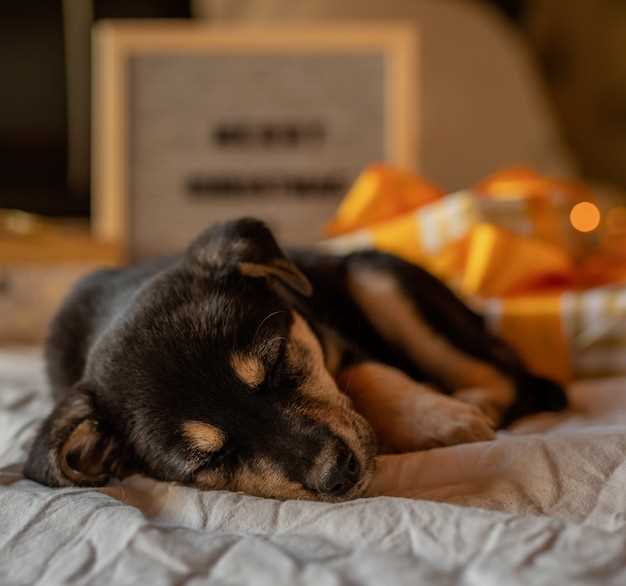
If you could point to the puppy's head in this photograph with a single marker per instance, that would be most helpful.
(211, 377)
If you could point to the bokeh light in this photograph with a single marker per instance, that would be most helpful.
(585, 216)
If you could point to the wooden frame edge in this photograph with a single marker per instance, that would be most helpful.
(115, 41)
(109, 198)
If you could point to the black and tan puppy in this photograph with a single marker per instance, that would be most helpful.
(219, 368)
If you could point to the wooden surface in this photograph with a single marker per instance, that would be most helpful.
(73, 244)
(40, 260)
(31, 293)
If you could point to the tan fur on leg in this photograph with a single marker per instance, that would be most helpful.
(407, 415)
(395, 316)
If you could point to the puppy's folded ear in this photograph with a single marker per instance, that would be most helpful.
(283, 270)
(73, 447)
(248, 245)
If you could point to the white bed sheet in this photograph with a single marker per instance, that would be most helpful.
(544, 508)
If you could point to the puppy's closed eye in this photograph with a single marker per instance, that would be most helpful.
(257, 369)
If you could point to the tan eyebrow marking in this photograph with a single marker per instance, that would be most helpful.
(204, 436)
(249, 368)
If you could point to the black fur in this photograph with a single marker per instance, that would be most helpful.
(444, 312)
(141, 350)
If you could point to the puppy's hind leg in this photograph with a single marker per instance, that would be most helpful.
(416, 313)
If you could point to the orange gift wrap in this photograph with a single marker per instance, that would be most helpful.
(524, 250)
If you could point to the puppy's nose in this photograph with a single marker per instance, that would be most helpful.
(342, 476)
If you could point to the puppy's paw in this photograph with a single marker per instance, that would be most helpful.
(456, 422)
(488, 401)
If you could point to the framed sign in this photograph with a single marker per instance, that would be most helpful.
(195, 124)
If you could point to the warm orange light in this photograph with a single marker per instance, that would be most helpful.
(585, 216)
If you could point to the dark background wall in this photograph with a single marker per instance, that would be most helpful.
(582, 59)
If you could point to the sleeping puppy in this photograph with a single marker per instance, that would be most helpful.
(234, 366)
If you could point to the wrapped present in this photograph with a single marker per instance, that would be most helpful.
(364, 206)
(520, 247)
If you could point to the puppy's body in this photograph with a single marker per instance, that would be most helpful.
(217, 368)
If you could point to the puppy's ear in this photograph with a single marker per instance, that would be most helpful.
(283, 270)
(73, 447)
(248, 245)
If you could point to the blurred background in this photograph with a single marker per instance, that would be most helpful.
(500, 83)
(504, 82)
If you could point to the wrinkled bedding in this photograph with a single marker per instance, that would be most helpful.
(542, 505)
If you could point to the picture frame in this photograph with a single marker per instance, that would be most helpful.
(127, 57)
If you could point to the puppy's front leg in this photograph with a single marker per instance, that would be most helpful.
(407, 415)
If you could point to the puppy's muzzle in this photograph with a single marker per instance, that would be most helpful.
(336, 473)
(341, 477)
